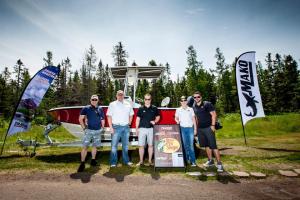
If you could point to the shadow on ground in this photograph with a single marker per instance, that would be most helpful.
(85, 177)
(119, 173)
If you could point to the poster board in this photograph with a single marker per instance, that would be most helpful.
(168, 146)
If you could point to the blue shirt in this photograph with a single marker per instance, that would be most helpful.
(94, 116)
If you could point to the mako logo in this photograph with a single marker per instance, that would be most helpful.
(247, 83)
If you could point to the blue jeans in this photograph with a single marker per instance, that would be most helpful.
(123, 133)
(187, 134)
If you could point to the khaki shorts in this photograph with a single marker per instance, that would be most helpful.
(145, 134)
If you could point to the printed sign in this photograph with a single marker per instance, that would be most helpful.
(248, 89)
(31, 99)
(168, 146)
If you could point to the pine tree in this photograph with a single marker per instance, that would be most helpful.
(119, 54)
(291, 83)
(90, 61)
(18, 70)
(48, 60)
(192, 70)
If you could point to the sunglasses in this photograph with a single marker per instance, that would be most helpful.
(94, 99)
(147, 99)
(197, 97)
(182, 100)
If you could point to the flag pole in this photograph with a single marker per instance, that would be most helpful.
(3, 143)
(244, 133)
(245, 139)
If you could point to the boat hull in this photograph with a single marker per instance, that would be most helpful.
(69, 117)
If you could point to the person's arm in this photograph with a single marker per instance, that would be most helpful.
(109, 120)
(82, 121)
(157, 117)
(130, 119)
(137, 123)
(213, 120)
(195, 125)
(177, 117)
(194, 119)
(131, 113)
(102, 123)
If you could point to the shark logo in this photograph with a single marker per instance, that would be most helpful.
(247, 83)
(251, 103)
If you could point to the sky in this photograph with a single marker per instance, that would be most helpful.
(161, 30)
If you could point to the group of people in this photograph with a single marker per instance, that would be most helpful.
(199, 119)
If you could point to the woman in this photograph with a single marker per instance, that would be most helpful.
(185, 117)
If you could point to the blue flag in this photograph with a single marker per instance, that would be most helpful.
(31, 99)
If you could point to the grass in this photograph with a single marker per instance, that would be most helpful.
(273, 144)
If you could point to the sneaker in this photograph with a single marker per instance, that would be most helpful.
(209, 163)
(112, 166)
(93, 162)
(220, 168)
(129, 163)
(193, 165)
(81, 167)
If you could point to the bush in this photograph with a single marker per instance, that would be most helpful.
(40, 121)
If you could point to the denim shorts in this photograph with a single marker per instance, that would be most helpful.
(91, 136)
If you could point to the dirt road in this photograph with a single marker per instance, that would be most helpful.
(86, 186)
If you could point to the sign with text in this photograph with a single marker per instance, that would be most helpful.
(248, 88)
(168, 147)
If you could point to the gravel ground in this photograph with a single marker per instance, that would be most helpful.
(108, 186)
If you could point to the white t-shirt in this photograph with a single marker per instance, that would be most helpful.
(185, 116)
(120, 112)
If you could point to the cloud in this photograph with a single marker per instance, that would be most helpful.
(194, 11)
(54, 25)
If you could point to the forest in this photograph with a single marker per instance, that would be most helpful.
(278, 77)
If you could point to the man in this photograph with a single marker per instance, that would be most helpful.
(119, 116)
(91, 120)
(147, 116)
(185, 117)
(206, 120)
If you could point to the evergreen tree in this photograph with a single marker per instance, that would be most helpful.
(192, 70)
(291, 83)
(18, 70)
(90, 61)
(48, 60)
(119, 55)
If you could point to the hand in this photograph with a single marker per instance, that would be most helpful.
(152, 122)
(112, 131)
(195, 132)
(213, 128)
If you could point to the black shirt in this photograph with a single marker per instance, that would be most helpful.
(146, 115)
(203, 113)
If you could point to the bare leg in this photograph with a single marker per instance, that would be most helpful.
(83, 154)
(141, 153)
(209, 153)
(217, 155)
(94, 152)
(150, 152)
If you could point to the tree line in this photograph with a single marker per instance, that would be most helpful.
(278, 80)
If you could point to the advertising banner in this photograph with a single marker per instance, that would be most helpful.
(248, 89)
(31, 99)
(168, 146)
